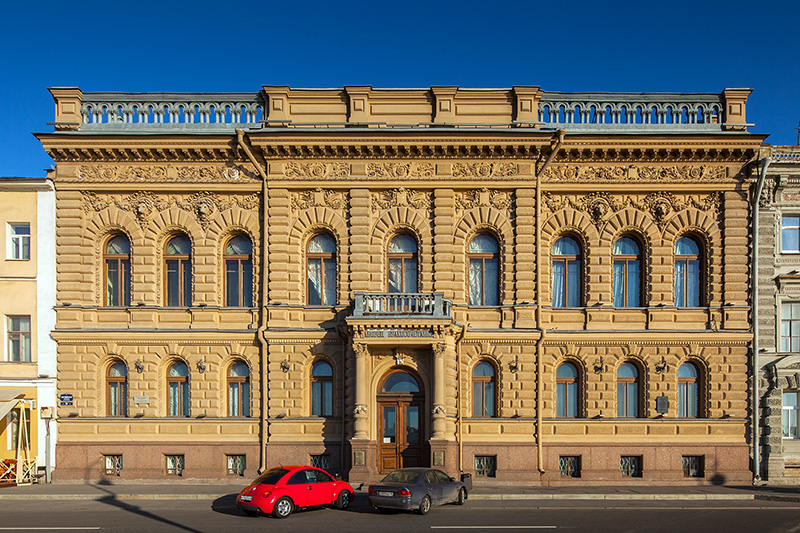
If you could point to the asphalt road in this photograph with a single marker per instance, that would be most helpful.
(221, 515)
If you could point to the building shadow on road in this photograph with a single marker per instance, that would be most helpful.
(112, 500)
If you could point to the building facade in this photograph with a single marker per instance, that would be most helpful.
(521, 285)
(778, 308)
(27, 298)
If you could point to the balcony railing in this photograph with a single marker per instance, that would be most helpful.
(415, 304)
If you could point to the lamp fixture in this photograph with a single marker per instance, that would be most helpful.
(285, 366)
(139, 366)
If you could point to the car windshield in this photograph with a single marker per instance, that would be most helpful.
(271, 476)
(401, 476)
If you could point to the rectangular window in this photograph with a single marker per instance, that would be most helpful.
(631, 465)
(19, 339)
(175, 465)
(791, 406)
(790, 327)
(570, 465)
(790, 234)
(321, 461)
(236, 465)
(113, 464)
(19, 241)
(486, 465)
(693, 465)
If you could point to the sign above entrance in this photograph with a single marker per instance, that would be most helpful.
(398, 332)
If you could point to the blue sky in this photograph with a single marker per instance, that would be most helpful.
(202, 46)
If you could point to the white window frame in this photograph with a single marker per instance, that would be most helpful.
(17, 242)
(795, 228)
(780, 320)
(29, 338)
(785, 408)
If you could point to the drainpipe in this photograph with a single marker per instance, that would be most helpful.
(262, 328)
(756, 400)
(460, 395)
(540, 342)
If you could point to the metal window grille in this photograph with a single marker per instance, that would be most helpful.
(175, 465)
(631, 465)
(113, 464)
(485, 465)
(570, 465)
(321, 461)
(236, 465)
(693, 466)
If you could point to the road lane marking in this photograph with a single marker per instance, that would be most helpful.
(48, 528)
(489, 526)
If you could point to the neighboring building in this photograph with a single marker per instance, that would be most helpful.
(778, 310)
(27, 298)
(522, 285)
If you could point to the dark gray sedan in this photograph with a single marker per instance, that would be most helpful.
(416, 489)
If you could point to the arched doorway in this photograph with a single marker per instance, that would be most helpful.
(402, 426)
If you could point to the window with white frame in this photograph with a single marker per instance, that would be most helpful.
(19, 241)
(112, 465)
(19, 339)
(791, 406)
(790, 234)
(174, 465)
(790, 327)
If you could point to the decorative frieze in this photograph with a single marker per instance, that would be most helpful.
(336, 169)
(143, 204)
(578, 173)
(162, 173)
(484, 169)
(660, 205)
(400, 197)
(400, 170)
(483, 197)
(318, 198)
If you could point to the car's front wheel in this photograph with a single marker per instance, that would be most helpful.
(462, 496)
(283, 508)
(344, 499)
(425, 505)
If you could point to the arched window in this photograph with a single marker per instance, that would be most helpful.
(628, 391)
(567, 390)
(627, 273)
(400, 382)
(178, 385)
(321, 260)
(402, 264)
(117, 260)
(239, 389)
(178, 266)
(239, 272)
(483, 390)
(566, 259)
(117, 380)
(688, 391)
(687, 273)
(322, 389)
(484, 270)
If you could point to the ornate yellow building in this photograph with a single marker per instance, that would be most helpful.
(517, 284)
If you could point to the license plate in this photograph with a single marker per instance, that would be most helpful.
(246, 498)
(385, 493)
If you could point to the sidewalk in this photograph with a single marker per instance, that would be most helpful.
(178, 491)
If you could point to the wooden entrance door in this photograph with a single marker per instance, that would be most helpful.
(401, 433)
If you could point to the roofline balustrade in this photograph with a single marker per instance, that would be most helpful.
(432, 108)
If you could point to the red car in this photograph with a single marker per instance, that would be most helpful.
(279, 491)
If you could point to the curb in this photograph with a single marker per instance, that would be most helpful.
(475, 497)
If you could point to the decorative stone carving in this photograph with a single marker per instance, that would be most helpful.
(484, 169)
(401, 197)
(438, 349)
(318, 198)
(337, 169)
(660, 205)
(634, 173)
(438, 409)
(163, 173)
(400, 170)
(144, 204)
(483, 197)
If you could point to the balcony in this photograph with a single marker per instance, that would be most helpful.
(371, 305)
